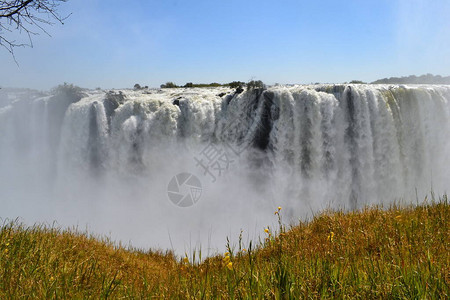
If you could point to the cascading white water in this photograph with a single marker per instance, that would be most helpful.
(105, 159)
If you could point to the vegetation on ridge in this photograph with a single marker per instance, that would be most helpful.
(252, 84)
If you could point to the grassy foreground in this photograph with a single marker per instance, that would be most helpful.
(396, 253)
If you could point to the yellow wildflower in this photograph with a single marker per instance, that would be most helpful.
(230, 266)
(266, 230)
(186, 260)
(330, 236)
(279, 207)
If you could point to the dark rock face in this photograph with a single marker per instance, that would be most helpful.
(177, 101)
(57, 107)
(95, 160)
(228, 99)
(137, 148)
(269, 112)
(269, 96)
(239, 90)
(222, 94)
(111, 102)
(336, 90)
(110, 106)
(349, 103)
(183, 120)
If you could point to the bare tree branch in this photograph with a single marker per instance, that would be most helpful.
(29, 17)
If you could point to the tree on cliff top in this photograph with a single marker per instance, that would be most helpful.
(26, 16)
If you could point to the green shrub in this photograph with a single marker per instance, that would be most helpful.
(255, 84)
(68, 91)
(236, 84)
(168, 85)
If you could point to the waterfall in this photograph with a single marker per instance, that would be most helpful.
(306, 147)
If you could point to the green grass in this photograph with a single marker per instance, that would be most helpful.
(395, 253)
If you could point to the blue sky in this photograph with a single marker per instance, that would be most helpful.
(119, 43)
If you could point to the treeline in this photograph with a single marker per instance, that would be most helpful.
(233, 84)
(238, 85)
(413, 79)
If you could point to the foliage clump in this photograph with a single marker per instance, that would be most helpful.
(69, 91)
(236, 84)
(168, 85)
(255, 84)
(233, 85)
(202, 85)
